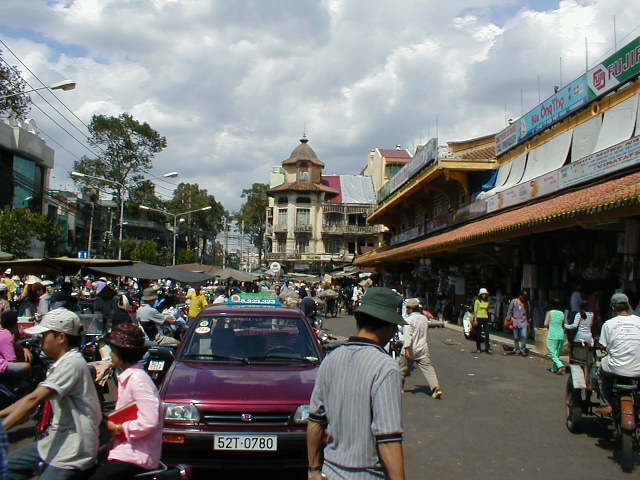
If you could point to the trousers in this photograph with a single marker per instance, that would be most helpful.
(482, 328)
(425, 366)
(25, 462)
(555, 349)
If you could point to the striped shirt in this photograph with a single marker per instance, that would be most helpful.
(357, 397)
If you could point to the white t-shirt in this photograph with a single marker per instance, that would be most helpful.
(621, 336)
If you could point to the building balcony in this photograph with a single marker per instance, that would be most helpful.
(280, 228)
(340, 229)
(302, 228)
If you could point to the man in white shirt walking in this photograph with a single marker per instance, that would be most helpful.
(416, 347)
(621, 337)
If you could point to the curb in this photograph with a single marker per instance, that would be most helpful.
(503, 341)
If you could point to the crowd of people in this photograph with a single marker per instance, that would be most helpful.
(355, 418)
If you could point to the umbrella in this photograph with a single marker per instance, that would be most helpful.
(57, 265)
(237, 275)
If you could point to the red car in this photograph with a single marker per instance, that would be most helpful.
(238, 392)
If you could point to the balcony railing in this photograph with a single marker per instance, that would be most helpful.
(280, 227)
(340, 229)
(323, 257)
(302, 227)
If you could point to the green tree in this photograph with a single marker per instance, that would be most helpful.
(11, 82)
(186, 256)
(146, 251)
(253, 212)
(196, 227)
(19, 226)
(126, 147)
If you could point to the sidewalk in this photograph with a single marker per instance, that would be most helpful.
(497, 337)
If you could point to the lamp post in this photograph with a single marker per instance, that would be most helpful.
(175, 221)
(122, 193)
(64, 85)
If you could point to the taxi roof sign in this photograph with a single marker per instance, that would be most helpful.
(255, 299)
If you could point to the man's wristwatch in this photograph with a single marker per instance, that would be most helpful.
(315, 469)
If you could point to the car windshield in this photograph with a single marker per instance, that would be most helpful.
(250, 340)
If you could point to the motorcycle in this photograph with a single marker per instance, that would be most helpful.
(14, 387)
(157, 361)
(626, 418)
(395, 345)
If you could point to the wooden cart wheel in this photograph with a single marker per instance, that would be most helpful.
(573, 407)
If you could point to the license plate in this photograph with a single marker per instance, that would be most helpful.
(156, 365)
(267, 443)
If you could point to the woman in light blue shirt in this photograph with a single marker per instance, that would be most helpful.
(554, 321)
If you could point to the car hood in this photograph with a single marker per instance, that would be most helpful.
(223, 383)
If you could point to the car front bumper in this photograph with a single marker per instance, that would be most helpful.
(197, 451)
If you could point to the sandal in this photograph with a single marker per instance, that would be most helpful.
(437, 394)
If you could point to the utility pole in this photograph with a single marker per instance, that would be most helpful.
(241, 244)
(226, 242)
(93, 205)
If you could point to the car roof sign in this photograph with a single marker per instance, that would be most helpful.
(255, 299)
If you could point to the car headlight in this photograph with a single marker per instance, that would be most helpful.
(302, 414)
(181, 412)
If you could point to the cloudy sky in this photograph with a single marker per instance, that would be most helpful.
(233, 84)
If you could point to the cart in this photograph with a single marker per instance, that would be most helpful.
(582, 392)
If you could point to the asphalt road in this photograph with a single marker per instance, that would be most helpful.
(500, 417)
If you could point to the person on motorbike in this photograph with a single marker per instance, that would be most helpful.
(621, 337)
(9, 351)
(220, 296)
(308, 306)
(150, 319)
(4, 302)
(71, 444)
(138, 442)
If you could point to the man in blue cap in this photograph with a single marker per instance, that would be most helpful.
(356, 401)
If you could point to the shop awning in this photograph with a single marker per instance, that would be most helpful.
(615, 197)
(57, 265)
(200, 268)
(153, 272)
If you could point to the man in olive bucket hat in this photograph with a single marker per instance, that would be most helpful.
(356, 401)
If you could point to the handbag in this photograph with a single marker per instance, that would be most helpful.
(508, 323)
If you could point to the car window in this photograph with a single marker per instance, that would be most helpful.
(261, 338)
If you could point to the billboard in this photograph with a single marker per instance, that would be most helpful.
(427, 155)
(621, 66)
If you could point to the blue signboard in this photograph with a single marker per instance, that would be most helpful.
(566, 100)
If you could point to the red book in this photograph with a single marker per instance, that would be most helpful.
(125, 414)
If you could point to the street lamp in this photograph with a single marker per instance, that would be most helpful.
(64, 85)
(175, 221)
(122, 193)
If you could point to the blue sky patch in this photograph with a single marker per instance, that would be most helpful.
(71, 50)
(499, 15)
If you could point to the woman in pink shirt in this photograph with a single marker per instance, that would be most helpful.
(138, 442)
(8, 350)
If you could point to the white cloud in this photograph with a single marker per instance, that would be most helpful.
(232, 85)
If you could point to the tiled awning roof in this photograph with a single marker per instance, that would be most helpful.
(621, 195)
(303, 187)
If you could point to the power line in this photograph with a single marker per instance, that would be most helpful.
(52, 119)
(52, 93)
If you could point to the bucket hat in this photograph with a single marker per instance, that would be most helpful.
(58, 320)
(483, 290)
(127, 336)
(412, 302)
(149, 294)
(383, 304)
